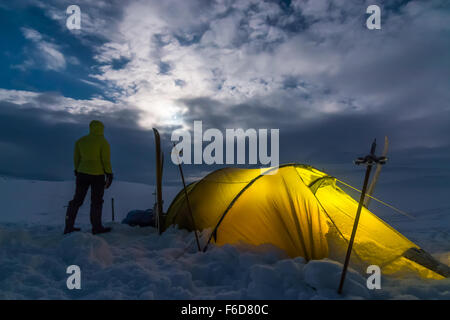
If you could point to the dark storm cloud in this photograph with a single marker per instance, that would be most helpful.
(38, 143)
(334, 138)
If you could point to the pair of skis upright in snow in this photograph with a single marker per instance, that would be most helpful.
(374, 181)
(159, 201)
(159, 173)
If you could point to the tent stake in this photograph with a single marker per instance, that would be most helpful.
(187, 201)
(369, 161)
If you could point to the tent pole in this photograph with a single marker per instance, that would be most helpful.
(369, 161)
(187, 201)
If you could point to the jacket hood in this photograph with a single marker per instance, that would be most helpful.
(96, 128)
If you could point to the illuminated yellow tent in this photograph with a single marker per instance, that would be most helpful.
(299, 209)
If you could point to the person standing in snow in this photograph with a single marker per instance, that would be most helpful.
(92, 164)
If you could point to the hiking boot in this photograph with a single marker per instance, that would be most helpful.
(101, 230)
(69, 230)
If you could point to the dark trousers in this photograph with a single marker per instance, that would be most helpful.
(83, 182)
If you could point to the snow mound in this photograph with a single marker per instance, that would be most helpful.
(137, 263)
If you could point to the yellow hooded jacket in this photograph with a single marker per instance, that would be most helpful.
(92, 152)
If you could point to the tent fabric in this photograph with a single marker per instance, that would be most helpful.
(296, 209)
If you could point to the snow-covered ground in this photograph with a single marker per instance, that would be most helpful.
(137, 263)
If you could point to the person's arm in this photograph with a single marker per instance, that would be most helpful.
(106, 161)
(76, 157)
(105, 154)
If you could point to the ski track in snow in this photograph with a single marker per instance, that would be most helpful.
(137, 263)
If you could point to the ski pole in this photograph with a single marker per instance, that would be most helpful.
(368, 160)
(112, 208)
(159, 160)
(187, 200)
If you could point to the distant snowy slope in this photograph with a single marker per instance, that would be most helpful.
(43, 202)
(430, 229)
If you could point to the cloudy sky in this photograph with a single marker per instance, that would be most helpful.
(308, 67)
